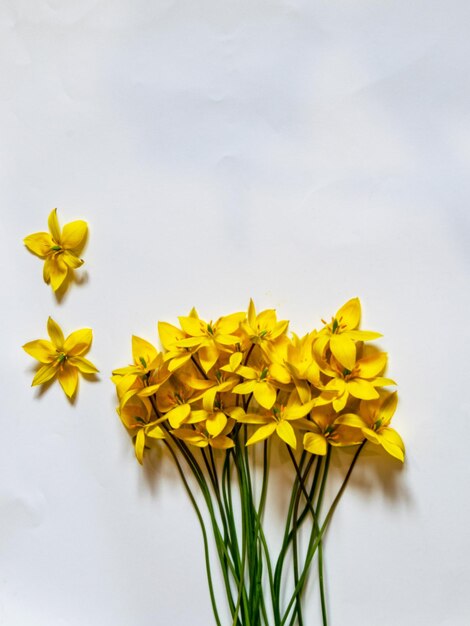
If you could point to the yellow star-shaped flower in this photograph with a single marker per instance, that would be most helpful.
(61, 357)
(60, 249)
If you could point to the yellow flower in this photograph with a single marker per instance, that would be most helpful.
(59, 249)
(341, 334)
(60, 357)
(262, 329)
(295, 361)
(201, 437)
(259, 382)
(143, 378)
(209, 339)
(374, 421)
(277, 420)
(324, 428)
(170, 336)
(135, 417)
(360, 382)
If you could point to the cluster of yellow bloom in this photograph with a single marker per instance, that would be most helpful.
(323, 388)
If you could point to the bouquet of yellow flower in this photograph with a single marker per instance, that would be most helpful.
(219, 389)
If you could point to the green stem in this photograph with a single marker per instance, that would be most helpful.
(298, 604)
(288, 533)
(324, 612)
(246, 535)
(323, 528)
(203, 529)
(315, 515)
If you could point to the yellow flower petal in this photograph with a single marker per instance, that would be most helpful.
(267, 319)
(263, 432)
(287, 433)
(227, 340)
(340, 402)
(319, 345)
(222, 442)
(388, 408)
(149, 391)
(68, 379)
(380, 381)
(178, 415)
(78, 342)
(208, 355)
(54, 227)
(251, 313)
(155, 432)
(296, 411)
(279, 373)
(178, 361)
(208, 399)
(371, 366)
(372, 436)
(74, 235)
(85, 366)
(344, 350)
(362, 335)
(46, 270)
(55, 333)
(247, 372)
(192, 326)
(279, 329)
(169, 335)
(264, 393)
(350, 419)
(41, 350)
(143, 352)
(199, 415)
(57, 271)
(71, 260)
(253, 418)
(392, 443)
(216, 423)
(39, 244)
(191, 342)
(361, 389)
(349, 314)
(140, 445)
(44, 373)
(315, 443)
(235, 360)
(191, 436)
(229, 324)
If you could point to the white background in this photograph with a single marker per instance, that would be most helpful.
(299, 152)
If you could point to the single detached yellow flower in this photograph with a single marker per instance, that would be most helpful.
(60, 357)
(60, 249)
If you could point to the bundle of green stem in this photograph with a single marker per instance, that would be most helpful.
(245, 558)
(219, 390)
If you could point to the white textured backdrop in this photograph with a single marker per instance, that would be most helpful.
(296, 151)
